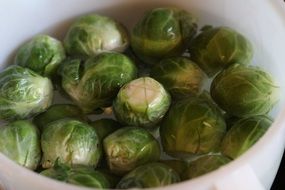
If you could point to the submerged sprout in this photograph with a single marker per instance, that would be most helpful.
(161, 33)
(141, 102)
(204, 164)
(93, 34)
(244, 91)
(149, 175)
(56, 112)
(23, 93)
(82, 176)
(217, 48)
(105, 126)
(43, 54)
(192, 126)
(95, 83)
(244, 134)
(130, 147)
(71, 142)
(20, 141)
(179, 75)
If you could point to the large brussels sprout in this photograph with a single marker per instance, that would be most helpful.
(94, 83)
(244, 91)
(23, 93)
(56, 112)
(179, 75)
(42, 54)
(162, 32)
(130, 147)
(149, 175)
(93, 34)
(216, 48)
(205, 164)
(244, 134)
(20, 141)
(105, 126)
(141, 102)
(192, 126)
(82, 176)
(71, 142)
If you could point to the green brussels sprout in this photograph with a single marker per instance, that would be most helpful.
(204, 164)
(20, 141)
(217, 48)
(244, 134)
(180, 76)
(23, 93)
(177, 165)
(244, 91)
(149, 175)
(161, 33)
(56, 112)
(95, 83)
(42, 54)
(93, 34)
(81, 176)
(71, 142)
(129, 147)
(191, 127)
(105, 126)
(141, 102)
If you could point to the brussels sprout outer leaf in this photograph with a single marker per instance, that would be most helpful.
(20, 141)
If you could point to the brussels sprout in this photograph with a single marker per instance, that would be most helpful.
(244, 91)
(82, 176)
(23, 93)
(179, 75)
(71, 142)
(105, 126)
(149, 175)
(177, 165)
(56, 112)
(42, 54)
(161, 33)
(204, 164)
(141, 102)
(20, 141)
(130, 147)
(216, 48)
(244, 134)
(93, 34)
(192, 126)
(96, 82)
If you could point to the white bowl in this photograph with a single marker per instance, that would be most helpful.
(262, 21)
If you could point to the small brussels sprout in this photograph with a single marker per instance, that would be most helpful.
(130, 147)
(20, 141)
(93, 34)
(95, 83)
(23, 93)
(81, 176)
(141, 102)
(42, 54)
(71, 142)
(56, 112)
(244, 91)
(192, 126)
(105, 126)
(180, 76)
(161, 33)
(177, 165)
(244, 134)
(204, 164)
(217, 48)
(149, 175)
